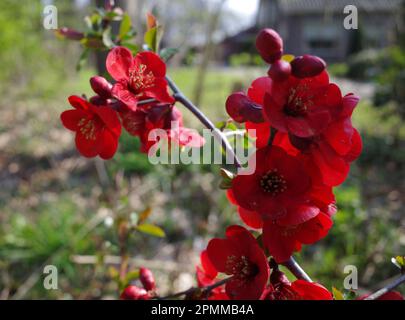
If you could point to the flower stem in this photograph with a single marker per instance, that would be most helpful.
(180, 97)
(296, 269)
(205, 291)
(389, 287)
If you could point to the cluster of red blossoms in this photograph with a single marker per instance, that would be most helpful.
(305, 143)
(138, 100)
(133, 292)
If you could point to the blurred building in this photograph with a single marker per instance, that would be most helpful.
(316, 27)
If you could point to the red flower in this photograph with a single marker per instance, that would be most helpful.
(281, 288)
(134, 293)
(250, 218)
(297, 290)
(167, 117)
(240, 256)
(97, 128)
(301, 107)
(142, 76)
(279, 188)
(328, 155)
(207, 275)
(283, 239)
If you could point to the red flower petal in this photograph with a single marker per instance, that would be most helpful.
(118, 63)
(108, 144)
(71, 118)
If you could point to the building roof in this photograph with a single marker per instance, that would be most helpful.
(308, 6)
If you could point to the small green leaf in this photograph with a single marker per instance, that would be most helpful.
(82, 59)
(350, 295)
(152, 38)
(133, 47)
(125, 26)
(151, 229)
(107, 41)
(167, 53)
(337, 294)
(131, 276)
(225, 184)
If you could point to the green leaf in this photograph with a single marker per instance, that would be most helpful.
(152, 38)
(350, 295)
(133, 47)
(125, 26)
(151, 229)
(131, 276)
(337, 294)
(167, 53)
(107, 41)
(82, 59)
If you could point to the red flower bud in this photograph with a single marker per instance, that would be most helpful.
(101, 86)
(134, 293)
(147, 279)
(242, 109)
(70, 33)
(277, 277)
(307, 66)
(270, 45)
(109, 5)
(279, 70)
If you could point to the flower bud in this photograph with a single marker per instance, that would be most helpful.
(279, 70)
(134, 293)
(109, 4)
(277, 277)
(270, 45)
(101, 86)
(241, 108)
(147, 279)
(307, 66)
(70, 33)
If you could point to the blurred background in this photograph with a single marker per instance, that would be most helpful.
(58, 208)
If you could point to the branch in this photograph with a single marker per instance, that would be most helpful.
(296, 269)
(290, 264)
(387, 288)
(205, 291)
(180, 97)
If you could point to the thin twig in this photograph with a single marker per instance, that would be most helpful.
(205, 291)
(296, 269)
(387, 288)
(180, 97)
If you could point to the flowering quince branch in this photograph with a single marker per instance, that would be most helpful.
(194, 292)
(180, 97)
(384, 291)
(305, 144)
(296, 269)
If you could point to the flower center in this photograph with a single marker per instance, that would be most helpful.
(240, 267)
(273, 182)
(139, 79)
(297, 103)
(87, 128)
